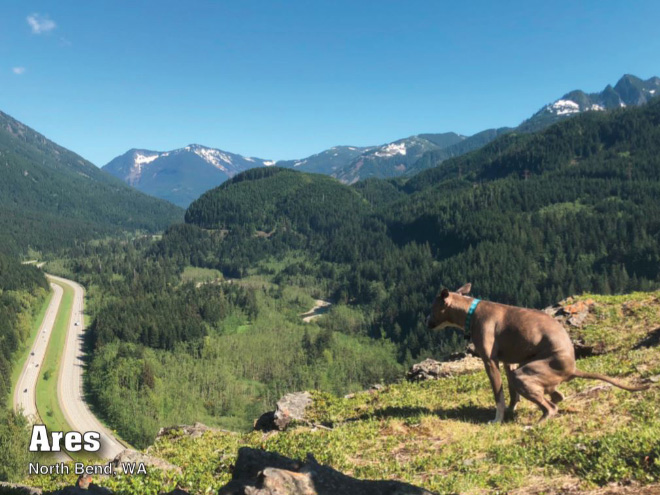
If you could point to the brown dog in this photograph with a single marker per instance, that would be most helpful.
(532, 339)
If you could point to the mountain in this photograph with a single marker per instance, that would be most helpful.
(394, 159)
(327, 162)
(629, 91)
(182, 175)
(50, 197)
(434, 157)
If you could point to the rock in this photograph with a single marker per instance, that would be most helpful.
(289, 408)
(258, 472)
(577, 313)
(133, 456)
(192, 431)
(571, 313)
(430, 369)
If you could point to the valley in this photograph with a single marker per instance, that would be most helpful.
(275, 280)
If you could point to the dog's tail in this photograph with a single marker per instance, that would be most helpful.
(616, 383)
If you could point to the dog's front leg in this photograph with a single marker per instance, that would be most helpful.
(493, 371)
(513, 392)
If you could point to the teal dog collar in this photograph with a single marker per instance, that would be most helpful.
(468, 318)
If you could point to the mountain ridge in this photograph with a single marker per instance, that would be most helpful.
(50, 196)
(349, 164)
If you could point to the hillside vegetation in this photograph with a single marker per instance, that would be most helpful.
(52, 198)
(528, 219)
(23, 289)
(436, 434)
(171, 349)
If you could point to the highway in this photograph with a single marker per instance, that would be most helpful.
(70, 380)
(25, 393)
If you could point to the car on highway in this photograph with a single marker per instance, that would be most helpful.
(24, 391)
(76, 323)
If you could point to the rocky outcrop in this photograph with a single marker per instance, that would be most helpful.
(193, 431)
(258, 472)
(430, 369)
(575, 314)
(572, 313)
(289, 408)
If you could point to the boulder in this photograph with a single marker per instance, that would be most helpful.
(575, 314)
(258, 472)
(571, 313)
(289, 408)
(430, 369)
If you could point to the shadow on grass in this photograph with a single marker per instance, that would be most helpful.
(652, 339)
(468, 414)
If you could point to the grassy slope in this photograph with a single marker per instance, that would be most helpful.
(436, 434)
(24, 353)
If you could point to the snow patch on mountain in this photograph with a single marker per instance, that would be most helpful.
(563, 107)
(141, 159)
(214, 157)
(391, 150)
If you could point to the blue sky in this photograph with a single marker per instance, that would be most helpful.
(278, 79)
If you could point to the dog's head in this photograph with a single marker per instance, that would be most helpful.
(442, 315)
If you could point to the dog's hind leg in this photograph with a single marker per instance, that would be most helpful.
(513, 392)
(529, 380)
(556, 396)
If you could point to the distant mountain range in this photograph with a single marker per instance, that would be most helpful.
(51, 198)
(182, 175)
(629, 91)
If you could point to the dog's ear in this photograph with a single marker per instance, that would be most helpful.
(444, 294)
(465, 290)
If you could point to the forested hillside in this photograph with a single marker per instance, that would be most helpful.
(23, 289)
(528, 219)
(51, 197)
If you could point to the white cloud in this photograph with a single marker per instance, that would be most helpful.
(40, 24)
(18, 70)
